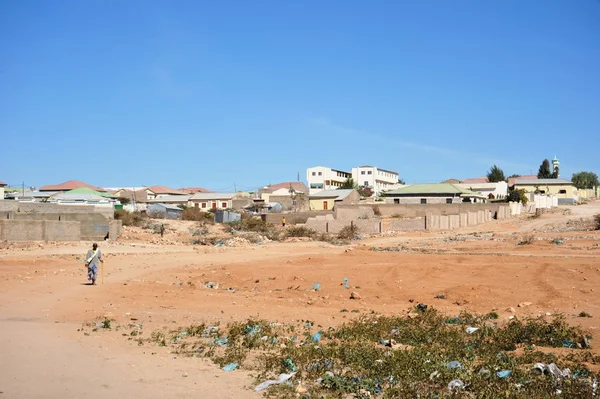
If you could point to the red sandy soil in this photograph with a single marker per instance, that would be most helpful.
(161, 282)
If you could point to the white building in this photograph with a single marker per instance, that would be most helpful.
(377, 179)
(321, 178)
(497, 190)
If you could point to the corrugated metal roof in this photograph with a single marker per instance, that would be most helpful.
(433, 188)
(170, 198)
(337, 194)
(165, 190)
(213, 196)
(543, 182)
(167, 206)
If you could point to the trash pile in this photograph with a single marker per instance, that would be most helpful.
(398, 356)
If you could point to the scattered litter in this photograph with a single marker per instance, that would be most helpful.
(178, 283)
(222, 341)
(316, 337)
(440, 296)
(456, 384)
(453, 320)
(282, 378)
(346, 285)
(230, 367)
(567, 343)
(231, 290)
(434, 375)
(524, 304)
(422, 307)
(301, 389)
(503, 373)
(99, 324)
(219, 243)
(471, 330)
(455, 364)
(551, 369)
(211, 285)
(209, 330)
(354, 295)
(289, 364)
(485, 372)
(316, 287)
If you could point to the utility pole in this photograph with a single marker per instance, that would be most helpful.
(23, 189)
(298, 176)
(234, 188)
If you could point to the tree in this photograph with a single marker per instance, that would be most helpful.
(366, 192)
(585, 180)
(400, 181)
(349, 184)
(495, 175)
(514, 176)
(545, 172)
(517, 196)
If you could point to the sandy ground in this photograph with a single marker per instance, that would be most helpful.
(44, 299)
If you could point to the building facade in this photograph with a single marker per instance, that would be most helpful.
(378, 180)
(321, 178)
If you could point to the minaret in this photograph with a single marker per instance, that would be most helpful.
(555, 169)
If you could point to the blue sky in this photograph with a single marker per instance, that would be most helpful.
(198, 93)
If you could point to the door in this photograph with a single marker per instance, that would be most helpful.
(324, 205)
(214, 205)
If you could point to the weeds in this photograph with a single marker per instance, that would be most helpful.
(584, 314)
(398, 356)
(597, 222)
(527, 240)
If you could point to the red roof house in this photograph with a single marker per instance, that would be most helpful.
(194, 190)
(70, 185)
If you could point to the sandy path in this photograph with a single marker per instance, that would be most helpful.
(43, 301)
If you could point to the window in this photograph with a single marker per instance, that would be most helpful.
(314, 173)
(204, 205)
(366, 184)
(423, 200)
(362, 172)
(396, 200)
(448, 200)
(223, 204)
(320, 173)
(370, 172)
(196, 205)
(542, 191)
(562, 191)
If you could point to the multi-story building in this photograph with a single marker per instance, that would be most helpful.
(322, 178)
(376, 179)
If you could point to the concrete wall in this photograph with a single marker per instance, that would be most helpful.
(115, 227)
(349, 212)
(414, 224)
(294, 217)
(368, 226)
(39, 230)
(317, 225)
(417, 200)
(46, 208)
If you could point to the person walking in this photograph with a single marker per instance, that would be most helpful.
(91, 262)
(283, 221)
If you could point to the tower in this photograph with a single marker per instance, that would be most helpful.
(555, 170)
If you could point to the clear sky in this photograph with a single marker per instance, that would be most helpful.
(199, 93)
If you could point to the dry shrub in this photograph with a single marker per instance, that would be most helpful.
(597, 222)
(197, 215)
(300, 231)
(527, 240)
(348, 233)
(130, 218)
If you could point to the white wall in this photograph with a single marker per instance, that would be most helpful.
(321, 178)
(379, 180)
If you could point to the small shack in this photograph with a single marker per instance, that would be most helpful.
(164, 211)
(222, 216)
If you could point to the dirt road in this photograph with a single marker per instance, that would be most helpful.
(43, 299)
